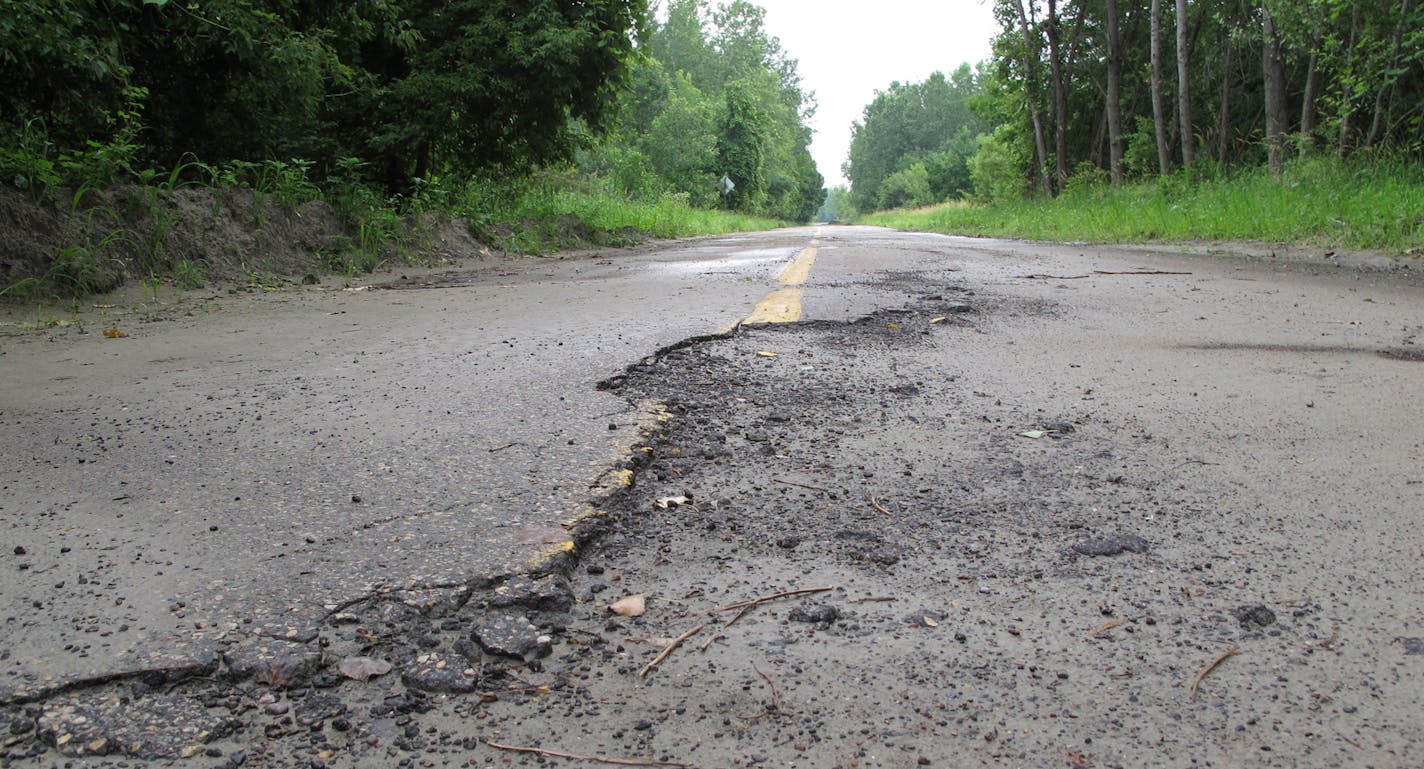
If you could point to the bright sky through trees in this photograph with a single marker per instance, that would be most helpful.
(848, 50)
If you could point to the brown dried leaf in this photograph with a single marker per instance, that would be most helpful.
(363, 668)
(632, 606)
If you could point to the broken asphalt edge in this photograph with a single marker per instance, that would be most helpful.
(609, 489)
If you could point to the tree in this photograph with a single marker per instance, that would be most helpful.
(930, 122)
(1159, 113)
(1275, 79)
(1114, 92)
(1184, 88)
(740, 149)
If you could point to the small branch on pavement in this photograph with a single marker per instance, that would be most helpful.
(746, 606)
(1204, 671)
(498, 449)
(803, 485)
(577, 757)
(1106, 626)
(1055, 277)
(676, 642)
(775, 693)
(875, 503)
(1139, 272)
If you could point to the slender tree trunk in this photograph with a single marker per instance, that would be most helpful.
(1224, 114)
(1275, 77)
(1159, 117)
(1307, 107)
(1060, 100)
(1184, 91)
(1035, 113)
(1114, 96)
(1347, 105)
(1388, 85)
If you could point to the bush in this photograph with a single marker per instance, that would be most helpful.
(907, 188)
(999, 168)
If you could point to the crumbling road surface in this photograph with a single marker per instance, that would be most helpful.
(885, 499)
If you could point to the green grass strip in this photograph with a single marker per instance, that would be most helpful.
(1321, 202)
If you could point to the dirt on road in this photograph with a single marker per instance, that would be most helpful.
(1049, 506)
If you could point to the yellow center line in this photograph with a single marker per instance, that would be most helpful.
(784, 304)
(796, 273)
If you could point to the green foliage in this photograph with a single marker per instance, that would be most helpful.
(997, 169)
(907, 188)
(1321, 202)
(837, 206)
(713, 96)
(95, 90)
(741, 155)
(929, 123)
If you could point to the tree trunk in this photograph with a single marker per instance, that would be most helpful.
(1035, 113)
(1307, 107)
(1275, 77)
(1388, 85)
(1224, 114)
(1159, 118)
(1184, 97)
(1347, 105)
(1060, 100)
(1114, 97)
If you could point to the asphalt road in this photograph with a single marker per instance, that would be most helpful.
(241, 468)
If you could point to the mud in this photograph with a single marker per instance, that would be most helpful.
(992, 523)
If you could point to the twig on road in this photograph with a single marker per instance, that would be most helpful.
(745, 606)
(803, 485)
(1139, 272)
(1204, 671)
(676, 642)
(1106, 626)
(577, 757)
(875, 503)
(775, 693)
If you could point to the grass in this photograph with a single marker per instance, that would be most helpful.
(553, 213)
(549, 212)
(1320, 202)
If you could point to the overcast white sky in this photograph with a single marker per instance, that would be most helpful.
(849, 50)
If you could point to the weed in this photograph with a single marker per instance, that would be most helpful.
(188, 275)
(24, 289)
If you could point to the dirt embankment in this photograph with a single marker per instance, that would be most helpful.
(94, 242)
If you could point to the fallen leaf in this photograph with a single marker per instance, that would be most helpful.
(363, 668)
(632, 606)
(1034, 434)
(667, 502)
(940, 319)
(893, 326)
(766, 354)
(113, 332)
(929, 622)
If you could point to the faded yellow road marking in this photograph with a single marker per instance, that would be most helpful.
(796, 273)
(784, 304)
(780, 306)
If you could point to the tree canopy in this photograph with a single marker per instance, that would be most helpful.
(1116, 89)
(714, 95)
(408, 87)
